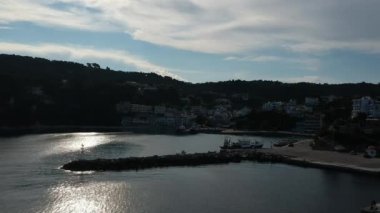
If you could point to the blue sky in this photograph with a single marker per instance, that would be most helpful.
(327, 41)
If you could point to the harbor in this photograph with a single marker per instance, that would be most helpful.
(299, 154)
(39, 157)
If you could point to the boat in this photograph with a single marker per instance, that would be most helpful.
(241, 144)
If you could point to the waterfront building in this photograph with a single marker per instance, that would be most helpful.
(374, 111)
(366, 105)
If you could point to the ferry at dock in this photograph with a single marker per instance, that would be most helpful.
(241, 144)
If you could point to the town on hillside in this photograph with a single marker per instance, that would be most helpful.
(37, 93)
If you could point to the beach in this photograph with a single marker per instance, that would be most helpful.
(264, 133)
(302, 153)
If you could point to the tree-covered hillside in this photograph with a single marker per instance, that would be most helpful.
(35, 90)
(39, 91)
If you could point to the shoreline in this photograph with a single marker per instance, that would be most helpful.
(19, 131)
(265, 133)
(302, 155)
(330, 166)
(342, 162)
(151, 162)
(299, 155)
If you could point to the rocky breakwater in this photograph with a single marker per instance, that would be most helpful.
(196, 159)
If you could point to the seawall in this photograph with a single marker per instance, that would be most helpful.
(209, 158)
(196, 159)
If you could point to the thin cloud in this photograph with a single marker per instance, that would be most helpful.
(5, 27)
(45, 14)
(76, 53)
(224, 27)
(364, 46)
(261, 58)
(312, 64)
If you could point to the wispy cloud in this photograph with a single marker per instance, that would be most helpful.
(260, 58)
(76, 53)
(222, 27)
(364, 46)
(5, 27)
(44, 13)
(306, 63)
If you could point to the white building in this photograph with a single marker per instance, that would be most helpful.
(366, 105)
(375, 110)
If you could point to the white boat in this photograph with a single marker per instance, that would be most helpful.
(241, 144)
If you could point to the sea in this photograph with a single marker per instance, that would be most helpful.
(31, 179)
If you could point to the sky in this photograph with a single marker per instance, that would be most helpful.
(324, 41)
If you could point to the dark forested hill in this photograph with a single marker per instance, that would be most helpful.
(35, 90)
(39, 91)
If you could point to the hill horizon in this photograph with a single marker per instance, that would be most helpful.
(137, 71)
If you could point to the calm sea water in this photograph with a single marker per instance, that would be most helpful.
(31, 181)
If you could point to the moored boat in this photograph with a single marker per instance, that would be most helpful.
(241, 144)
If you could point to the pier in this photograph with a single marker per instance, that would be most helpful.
(196, 159)
(299, 155)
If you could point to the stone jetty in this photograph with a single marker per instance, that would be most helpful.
(299, 155)
(196, 159)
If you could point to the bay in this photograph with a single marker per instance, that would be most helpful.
(32, 181)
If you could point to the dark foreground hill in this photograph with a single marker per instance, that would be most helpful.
(39, 91)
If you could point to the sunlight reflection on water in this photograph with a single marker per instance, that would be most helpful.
(32, 182)
(73, 142)
(89, 197)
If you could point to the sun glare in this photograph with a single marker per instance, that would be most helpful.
(88, 197)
